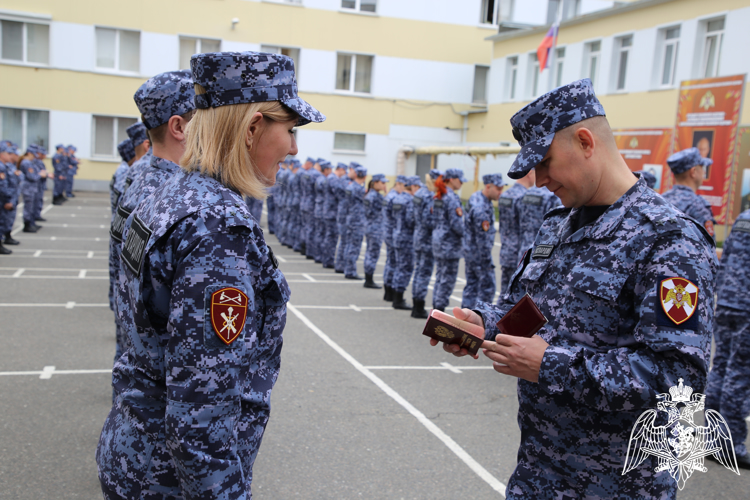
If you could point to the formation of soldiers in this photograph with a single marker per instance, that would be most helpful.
(25, 174)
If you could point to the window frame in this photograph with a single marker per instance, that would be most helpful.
(116, 69)
(115, 157)
(25, 21)
(199, 40)
(590, 55)
(360, 152)
(559, 64)
(495, 12)
(352, 77)
(297, 62)
(665, 43)
(357, 9)
(24, 143)
(511, 77)
(534, 75)
(621, 51)
(704, 45)
(486, 85)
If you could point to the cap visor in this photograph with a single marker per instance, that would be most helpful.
(530, 156)
(306, 112)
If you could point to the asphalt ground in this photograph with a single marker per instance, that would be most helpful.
(363, 408)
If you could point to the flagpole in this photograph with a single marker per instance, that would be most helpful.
(552, 59)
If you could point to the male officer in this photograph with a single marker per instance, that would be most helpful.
(307, 205)
(532, 207)
(40, 154)
(127, 153)
(355, 222)
(166, 103)
(29, 188)
(7, 189)
(611, 272)
(374, 229)
(479, 239)
(688, 167)
(424, 261)
(9, 159)
(402, 210)
(72, 170)
(60, 168)
(728, 390)
(341, 214)
(447, 237)
(388, 227)
(321, 189)
(279, 201)
(330, 212)
(510, 228)
(295, 223)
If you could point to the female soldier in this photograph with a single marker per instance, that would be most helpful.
(447, 238)
(374, 229)
(200, 295)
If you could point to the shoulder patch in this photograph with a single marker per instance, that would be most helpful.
(678, 301)
(459, 211)
(485, 225)
(118, 222)
(228, 311)
(134, 249)
(742, 226)
(709, 225)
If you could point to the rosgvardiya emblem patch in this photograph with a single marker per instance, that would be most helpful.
(228, 313)
(679, 299)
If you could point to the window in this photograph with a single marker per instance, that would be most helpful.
(488, 15)
(552, 7)
(24, 42)
(293, 53)
(533, 78)
(669, 55)
(712, 47)
(109, 131)
(480, 84)
(360, 5)
(118, 49)
(623, 49)
(559, 63)
(505, 10)
(348, 142)
(511, 77)
(354, 72)
(191, 46)
(591, 61)
(25, 126)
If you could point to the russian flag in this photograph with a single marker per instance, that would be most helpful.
(549, 42)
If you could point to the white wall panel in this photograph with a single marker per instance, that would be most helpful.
(495, 81)
(317, 71)
(641, 61)
(422, 80)
(68, 127)
(572, 67)
(159, 53)
(530, 11)
(465, 12)
(432, 135)
(589, 6)
(734, 58)
(686, 54)
(231, 46)
(72, 46)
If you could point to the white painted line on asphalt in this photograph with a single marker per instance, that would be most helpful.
(47, 372)
(323, 282)
(280, 258)
(70, 305)
(59, 277)
(50, 370)
(452, 368)
(90, 255)
(18, 273)
(67, 305)
(347, 308)
(308, 277)
(358, 309)
(82, 273)
(19, 212)
(55, 238)
(442, 436)
(37, 253)
(55, 269)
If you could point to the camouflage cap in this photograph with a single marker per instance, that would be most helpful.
(535, 125)
(320, 160)
(494, 179)
(310, 160)
(126, 150)
(324, 164)
(412, 180)
(434, 174)
(454, 173)
(137, 133)
(4, 148)
(684, 160)
(295, 163)
(240, 77)
(342, 165)
(647, 176)
(361, 171)
(379, 178)
(401, 179)
(60, 146)
(354, 165)
(73, 148)
(164, 96)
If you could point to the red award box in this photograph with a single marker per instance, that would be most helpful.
(449, 330)
(523, 320)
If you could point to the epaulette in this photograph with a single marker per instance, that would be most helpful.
(557, 211)
(666, 221)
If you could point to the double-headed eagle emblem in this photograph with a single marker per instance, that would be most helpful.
(680, 444)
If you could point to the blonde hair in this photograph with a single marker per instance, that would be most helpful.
(215, 144)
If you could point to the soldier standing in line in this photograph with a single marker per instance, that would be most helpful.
(72, 170)
(355, 222)
(40, 154)
(510, 229)
(271, 202)
(689, 170)
(255, 207)
(29, 188)
(116, 186)
(296, 222)
(330, 212)
(60, 169)
(6, 195)
(448, 235)
(402, 208)
(601, 271)
(280, 196)
(388, 226)
(531, 210)
(374, 201)
(307, 204)
(14, 176)
(479, 240)
(424, 261)
(341, 214)
(728, 390)
(321, 189)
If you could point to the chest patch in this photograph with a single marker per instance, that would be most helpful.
(134, 249)
(504, 202)
(118, 222)
(439, 204)
(532, 199)
(742, 226)
(117, 196)
(542, 251)
(679, 301)
(709, 225)
(228, 311)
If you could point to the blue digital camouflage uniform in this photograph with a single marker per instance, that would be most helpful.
(280, 197)
(447, 242)
(72, 170)
(7, 193)
(402, 208)
(306, 208)
(341, 214)
(531, 207)
(728, 390)
(60, 170)
(255, 207)
(424, 223)
(330, 228)
(355, 224)
(29, 189)
(117, 185)
(388, 226)
(14, 179)
(374, 230)
(41, 183)
(271, 204)
(692, 204)
(647, 176)
(295, 221)
(319, 229)
(612, 346)
(510, 233)
(479, 240)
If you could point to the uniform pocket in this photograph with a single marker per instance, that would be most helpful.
(603, 283)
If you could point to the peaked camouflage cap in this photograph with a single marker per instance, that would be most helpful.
(494, 179)
(126, 150)
(535, 125)
(454, 173)
(164, 96)
(242, 77)
(684, 160)
(137, 133)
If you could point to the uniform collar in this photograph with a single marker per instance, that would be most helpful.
(163, 164)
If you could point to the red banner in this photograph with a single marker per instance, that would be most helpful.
(646, 149)
(708, 112)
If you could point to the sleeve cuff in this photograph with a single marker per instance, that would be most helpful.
(490, 315)
(554, 372)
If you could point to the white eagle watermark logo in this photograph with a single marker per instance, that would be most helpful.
(680, 444)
